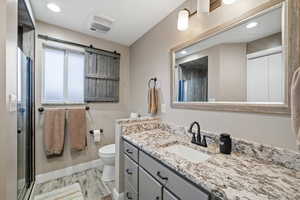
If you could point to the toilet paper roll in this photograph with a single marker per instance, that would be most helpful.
(134, 115)
(97, 135)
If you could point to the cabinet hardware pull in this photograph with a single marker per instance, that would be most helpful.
(128, 151)
(127, 195)
(128, 171)
(161, 177)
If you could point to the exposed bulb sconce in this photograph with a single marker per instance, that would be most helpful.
(203, 6)
(183, 19)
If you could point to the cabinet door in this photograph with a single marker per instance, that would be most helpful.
(130, 193)
(149, 188)
(168, 196)
(131, 172)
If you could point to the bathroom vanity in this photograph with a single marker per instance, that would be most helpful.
(148, 178)
(160, 162)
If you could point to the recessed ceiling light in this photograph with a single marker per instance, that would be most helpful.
(252, 25)
(183, 52)
(53, 7)
(228, 1)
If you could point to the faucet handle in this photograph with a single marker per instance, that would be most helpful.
(203, 142)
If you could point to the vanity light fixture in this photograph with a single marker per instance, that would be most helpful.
(183, 19)
(53, 7)
(228, 1)
(252, 25)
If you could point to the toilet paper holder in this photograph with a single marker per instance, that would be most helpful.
(92, 131)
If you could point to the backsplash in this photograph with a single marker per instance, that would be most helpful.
(279, 156)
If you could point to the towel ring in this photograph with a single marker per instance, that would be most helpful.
(154, 80)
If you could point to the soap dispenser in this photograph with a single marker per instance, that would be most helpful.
(225, 143)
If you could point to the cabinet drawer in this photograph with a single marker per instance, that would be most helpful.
(130, 193)
(131, 151)
(149, 188)
(180, 187)
(131, 172)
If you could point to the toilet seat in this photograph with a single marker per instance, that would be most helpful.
(107, 151)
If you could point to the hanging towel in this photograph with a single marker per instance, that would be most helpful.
(295, 104)
(152, 100)
(107, 197)
(54, 131)
(76, 128)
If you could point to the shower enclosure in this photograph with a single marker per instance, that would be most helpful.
(25, 130)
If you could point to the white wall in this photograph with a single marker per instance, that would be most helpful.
(149, 56)
(8, 80)
(103, 114)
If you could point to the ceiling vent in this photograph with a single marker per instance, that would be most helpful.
(101, 24)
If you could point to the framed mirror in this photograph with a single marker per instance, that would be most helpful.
(243, 65)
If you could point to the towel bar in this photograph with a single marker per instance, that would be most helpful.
(42, 109)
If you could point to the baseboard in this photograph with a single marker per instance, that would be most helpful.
(117, 195)
(41, 178)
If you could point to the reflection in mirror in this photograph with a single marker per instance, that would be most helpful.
(243, 64)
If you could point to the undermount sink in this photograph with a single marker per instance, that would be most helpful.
(187, 153)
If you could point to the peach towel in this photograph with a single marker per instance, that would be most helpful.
(76, 128)
(152, 100)
(295, 104)
(107, 197)
(54, 131)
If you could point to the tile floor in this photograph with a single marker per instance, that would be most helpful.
(93, 188)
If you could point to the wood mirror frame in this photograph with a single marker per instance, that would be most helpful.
(291, 37)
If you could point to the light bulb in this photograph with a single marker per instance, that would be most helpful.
(228, 1)
(183, 20)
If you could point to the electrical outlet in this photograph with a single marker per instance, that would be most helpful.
(12, 104)
(163, 108)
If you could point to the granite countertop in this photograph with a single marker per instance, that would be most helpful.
(228, 177)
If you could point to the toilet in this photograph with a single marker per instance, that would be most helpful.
(107, 155)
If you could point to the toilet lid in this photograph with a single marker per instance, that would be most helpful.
(108, 150)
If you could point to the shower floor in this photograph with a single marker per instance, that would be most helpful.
(92, 187)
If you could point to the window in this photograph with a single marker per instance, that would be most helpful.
(63, 76)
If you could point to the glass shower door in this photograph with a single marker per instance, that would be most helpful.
(23, 124)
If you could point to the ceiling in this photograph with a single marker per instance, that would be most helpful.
(133, 18)
(268, 24)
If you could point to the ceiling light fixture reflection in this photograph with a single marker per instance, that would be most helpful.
(228, 1)
(252, 25)
(183, 52)
(53, 7)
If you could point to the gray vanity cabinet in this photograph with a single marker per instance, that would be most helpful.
(168, 196)
(146, 178)
(149, 188)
